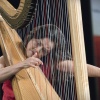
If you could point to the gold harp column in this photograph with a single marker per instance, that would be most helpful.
(78, 49)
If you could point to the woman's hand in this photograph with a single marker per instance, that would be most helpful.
(32, 61)
(9, 71)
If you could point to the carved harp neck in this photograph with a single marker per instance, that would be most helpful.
(19, 17)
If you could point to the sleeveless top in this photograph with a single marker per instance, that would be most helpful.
(7, 91)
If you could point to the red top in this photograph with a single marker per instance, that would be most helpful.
(7, 91)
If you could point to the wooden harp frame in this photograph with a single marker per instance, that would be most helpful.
(81, 76)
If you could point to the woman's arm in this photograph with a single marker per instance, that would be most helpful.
(93, 71)
(67, 66)
(9, 71)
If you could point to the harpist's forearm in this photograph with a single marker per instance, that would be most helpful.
(93, 71)
(8, 72)
(67, 66)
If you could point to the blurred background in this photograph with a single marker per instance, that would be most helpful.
(95, 20)
(91, 26)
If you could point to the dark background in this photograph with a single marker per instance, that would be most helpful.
(88, 35)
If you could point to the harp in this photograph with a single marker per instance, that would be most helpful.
(31, 78)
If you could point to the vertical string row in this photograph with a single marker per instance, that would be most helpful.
(54, 12)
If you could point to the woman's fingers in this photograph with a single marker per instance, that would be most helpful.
(33, 61)
(37, 60)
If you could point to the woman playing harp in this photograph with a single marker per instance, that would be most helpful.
(44, 45)
(58, 65)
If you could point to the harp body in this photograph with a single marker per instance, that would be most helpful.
(29, 77)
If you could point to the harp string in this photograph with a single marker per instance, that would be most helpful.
(54, 12)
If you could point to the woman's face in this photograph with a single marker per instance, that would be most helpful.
(40, 46)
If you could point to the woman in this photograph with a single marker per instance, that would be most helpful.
(45, 44)
(50, 45)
